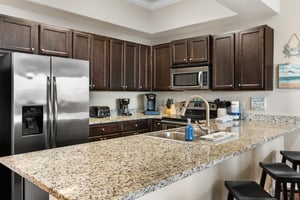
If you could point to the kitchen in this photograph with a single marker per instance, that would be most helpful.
(276, 99)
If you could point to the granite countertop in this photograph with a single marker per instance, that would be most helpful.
(118, 118)
(129, 167)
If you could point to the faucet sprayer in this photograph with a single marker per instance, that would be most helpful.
(207, 123)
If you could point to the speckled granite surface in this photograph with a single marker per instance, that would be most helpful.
(129, 167)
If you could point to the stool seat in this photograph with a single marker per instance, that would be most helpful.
(246, 190)
(281, 171)
(292, 156)
(282, 174)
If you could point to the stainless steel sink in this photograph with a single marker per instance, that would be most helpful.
(177, 133)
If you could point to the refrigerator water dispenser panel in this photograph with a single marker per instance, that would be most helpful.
(32, 120)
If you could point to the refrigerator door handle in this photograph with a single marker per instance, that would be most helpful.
(54, 113)
(49, 117)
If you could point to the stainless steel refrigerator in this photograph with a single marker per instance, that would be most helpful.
(44, 103)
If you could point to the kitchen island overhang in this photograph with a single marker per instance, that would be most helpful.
(134, 166)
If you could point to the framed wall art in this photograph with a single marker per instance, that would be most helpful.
(289, 75)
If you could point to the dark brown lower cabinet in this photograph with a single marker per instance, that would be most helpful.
(156, 125)
(135, 127)
(104, 131)
(119, 129)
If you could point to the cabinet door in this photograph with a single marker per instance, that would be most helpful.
(156, 125)
(116, 63)
(55, 41)
(161, 67)
(223, 62)
(81, 45)
(99, 63)
(250, 56)
(179, 52)
(18, 35)
(104, 131)
(135, 127)
(144, 69)
(130, 67)
(199, 49)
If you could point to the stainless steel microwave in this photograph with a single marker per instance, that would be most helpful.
(190, 78)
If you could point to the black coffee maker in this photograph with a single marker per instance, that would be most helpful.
(123, 107)
(150, 102)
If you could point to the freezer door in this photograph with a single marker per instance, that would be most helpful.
(70, 101)
(30, 86)
(30, 116)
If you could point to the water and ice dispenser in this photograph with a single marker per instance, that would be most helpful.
(32, 120)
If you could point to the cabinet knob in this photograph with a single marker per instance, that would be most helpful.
(125, 86)
(141, 87)
(191, 59)
(184, 59)
(158, 124)
(32, 49)
(136, 125)
(102, 129)
(240, 85)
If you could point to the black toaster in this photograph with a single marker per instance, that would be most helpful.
(99, 111)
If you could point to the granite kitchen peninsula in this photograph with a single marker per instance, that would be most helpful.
(147, 167)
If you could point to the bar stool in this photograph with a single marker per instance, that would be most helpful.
(282, 174)
(246, 190)
(291, 156)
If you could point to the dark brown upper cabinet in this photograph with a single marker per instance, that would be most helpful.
(123, 68)
(191, 51)
(243, 60)
(18, 35)
(161, 67)
(99, 62)
(144, 68)
(223, 62)
(81, 45)
(116, 63)
(95, 49)
(130, 71)
(55, 41)
(254, 58)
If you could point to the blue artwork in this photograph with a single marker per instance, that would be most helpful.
(289, 75)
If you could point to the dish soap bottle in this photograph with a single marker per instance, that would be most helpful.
(189, 131)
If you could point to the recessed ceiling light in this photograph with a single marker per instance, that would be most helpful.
(153, 4)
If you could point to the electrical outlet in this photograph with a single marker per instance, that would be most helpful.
(258, 103)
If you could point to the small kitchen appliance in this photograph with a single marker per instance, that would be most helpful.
(99, 111)
(149, 104)
(123, 107)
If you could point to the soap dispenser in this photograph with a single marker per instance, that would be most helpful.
(189, 131)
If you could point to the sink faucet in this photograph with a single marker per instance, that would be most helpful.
(207, 122)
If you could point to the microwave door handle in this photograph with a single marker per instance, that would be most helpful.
(200, 77)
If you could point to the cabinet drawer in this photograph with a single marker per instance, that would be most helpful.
(104, 137)
(135, 125)
(104, 129)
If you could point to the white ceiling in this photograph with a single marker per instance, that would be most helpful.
(153, 4)
(171, 17)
